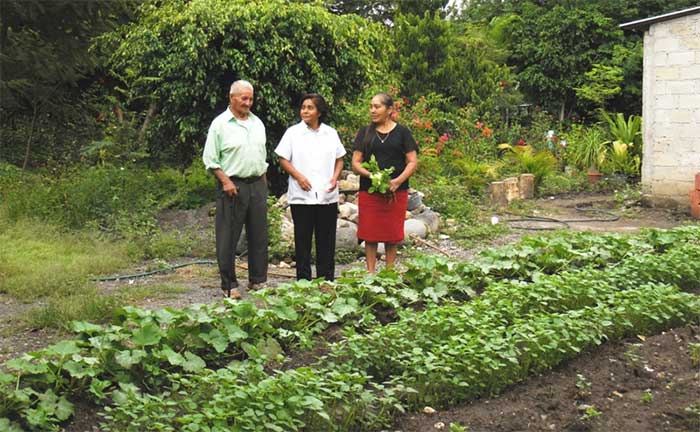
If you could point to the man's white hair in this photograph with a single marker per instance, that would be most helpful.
(239, 85)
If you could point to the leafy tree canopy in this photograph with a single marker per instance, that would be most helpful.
(383, 11)
(434, 56)
(181, 56)
(44, 58)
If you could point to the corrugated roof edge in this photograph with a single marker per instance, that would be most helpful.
(647, 22)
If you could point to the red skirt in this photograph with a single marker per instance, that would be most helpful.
(381, 218)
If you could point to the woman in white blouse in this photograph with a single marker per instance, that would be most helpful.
(312, 154)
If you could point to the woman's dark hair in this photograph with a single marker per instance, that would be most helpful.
(371, 130)
(320, 102)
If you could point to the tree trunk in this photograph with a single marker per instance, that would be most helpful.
(31, 136)
(149, 115)
(562, 111)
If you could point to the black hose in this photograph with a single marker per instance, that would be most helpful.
(565, 222)
(148, 273)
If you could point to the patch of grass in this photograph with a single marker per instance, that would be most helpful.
(91, 305)
(39, 260)
(59, 311)
(470, 233)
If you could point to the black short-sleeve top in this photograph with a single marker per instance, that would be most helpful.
(390, 151)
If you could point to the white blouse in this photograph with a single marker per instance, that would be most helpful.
(313, 153)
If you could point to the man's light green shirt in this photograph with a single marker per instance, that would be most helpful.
(237, 149)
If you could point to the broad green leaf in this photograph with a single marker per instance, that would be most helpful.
(216, 339)
(149, 334)
(85, 327)
(128, 358)
(64, 348)
(193, 362)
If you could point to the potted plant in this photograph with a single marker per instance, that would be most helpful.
(590, 151)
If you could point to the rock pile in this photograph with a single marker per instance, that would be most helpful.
(420, 219)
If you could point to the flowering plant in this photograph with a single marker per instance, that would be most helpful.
(380, 177)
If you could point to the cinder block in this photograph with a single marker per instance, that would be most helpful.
(527, 186)
(512, 189)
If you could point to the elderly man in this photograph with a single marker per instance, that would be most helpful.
(235, 152)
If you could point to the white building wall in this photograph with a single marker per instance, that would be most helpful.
(671, 110)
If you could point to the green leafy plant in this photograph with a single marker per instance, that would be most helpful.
(583, 386)
(526, 160)
(647, 397)
(380, 177)
(694, 353)
(590, 150)
(590, 413)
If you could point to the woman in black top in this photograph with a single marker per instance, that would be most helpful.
(381, 217)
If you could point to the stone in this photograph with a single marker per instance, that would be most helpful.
(343, 223)
(288, 230)
(283, 200)
(415, 199)
(526, 184)
(346, 210)
(431, 219)
(350, 198)
(415, 227)
(346, 237)
(348, 186)
(420, 209)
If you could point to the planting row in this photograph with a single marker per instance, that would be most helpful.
(145, 348)
(444, 355)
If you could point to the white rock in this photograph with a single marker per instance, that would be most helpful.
(346, 210)
(431, 220)
(415, 227)
(346, 237)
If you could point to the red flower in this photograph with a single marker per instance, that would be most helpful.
(479, 125)
(443, 138)
(522, 142)
(487, 132)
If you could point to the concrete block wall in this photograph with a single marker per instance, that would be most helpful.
(671, 110)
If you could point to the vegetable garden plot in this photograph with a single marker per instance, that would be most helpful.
(544, 300)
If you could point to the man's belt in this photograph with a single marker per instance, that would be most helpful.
(247, 180)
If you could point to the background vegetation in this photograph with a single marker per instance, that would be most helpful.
(104, 111)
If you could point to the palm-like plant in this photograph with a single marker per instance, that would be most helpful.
(626, 131)
(590, 150)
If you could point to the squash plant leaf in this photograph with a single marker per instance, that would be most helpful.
(149, 334)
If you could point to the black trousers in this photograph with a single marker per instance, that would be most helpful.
(318, 221)
(249, 209)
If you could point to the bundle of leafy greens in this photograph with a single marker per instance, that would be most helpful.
(380, 177)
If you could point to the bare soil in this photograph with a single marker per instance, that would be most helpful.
(637, 385)
(550, 402)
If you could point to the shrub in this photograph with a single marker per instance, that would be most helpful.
(183, 55)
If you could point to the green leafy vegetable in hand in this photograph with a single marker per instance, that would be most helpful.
(380, 177)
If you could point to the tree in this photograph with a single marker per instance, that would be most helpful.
(183, 55)
(432, 56)
(44, 59)
(383, 11)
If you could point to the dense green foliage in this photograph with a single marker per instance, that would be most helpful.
(46, 66)
(544, 301)
(181, 58)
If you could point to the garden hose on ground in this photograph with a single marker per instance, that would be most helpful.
(152, 272)
(612, 217)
